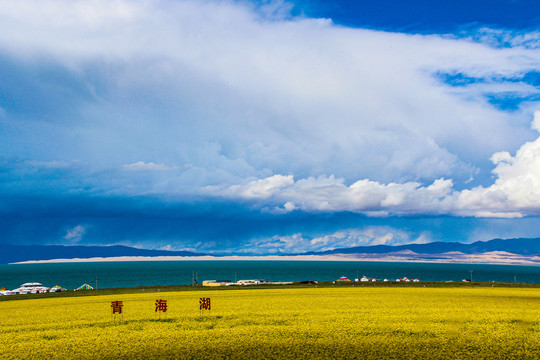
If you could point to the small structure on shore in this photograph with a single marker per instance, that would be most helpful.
(406, 279)
(27, 288)
(366, 279)
(57, 288)
(216, 282)
(84, 287)
(343, 279)
(252, 282)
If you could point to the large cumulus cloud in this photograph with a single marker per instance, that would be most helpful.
(190, 103)
(514, 193)
(225, 90)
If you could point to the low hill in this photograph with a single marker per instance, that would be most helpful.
(18, 253)
(514, 246)
(431, 251)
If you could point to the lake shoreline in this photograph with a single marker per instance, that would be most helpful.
(491, 258)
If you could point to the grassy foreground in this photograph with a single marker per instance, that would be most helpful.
(305, 323)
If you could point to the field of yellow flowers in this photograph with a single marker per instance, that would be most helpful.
(303, 323)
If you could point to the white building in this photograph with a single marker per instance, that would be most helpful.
(252, 282)
(28, 288)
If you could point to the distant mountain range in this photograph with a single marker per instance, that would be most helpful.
(445, 251)
(18, 253)
(514, 246)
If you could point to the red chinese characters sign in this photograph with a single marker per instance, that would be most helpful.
(204, 304)
(116, 307)
(161, 305)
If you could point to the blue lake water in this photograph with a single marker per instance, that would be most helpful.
(151, 273)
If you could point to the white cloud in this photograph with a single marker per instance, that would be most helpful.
(75, 234)
(54, 164)
(244, 92)
(515, 192)
(424, 238)
(261, 189)
(150, 166)
(506, 38)
(299, 243)
(331, 194)
(536, 121)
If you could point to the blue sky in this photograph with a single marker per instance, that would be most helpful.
(268, 127)
(425, 16)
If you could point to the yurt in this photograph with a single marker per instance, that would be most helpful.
(84, 287)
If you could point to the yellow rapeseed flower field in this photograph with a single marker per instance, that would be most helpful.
(302, 323)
